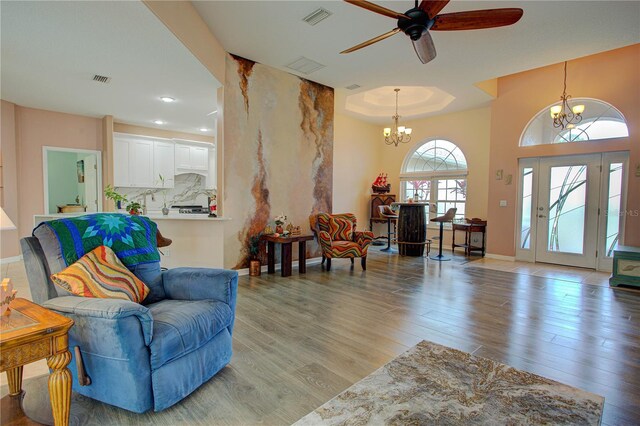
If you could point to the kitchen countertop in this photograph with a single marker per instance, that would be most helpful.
(151, 215)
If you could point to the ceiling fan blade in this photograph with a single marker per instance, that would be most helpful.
(377, 9)
(424, 47)
(432, 7)
(373, 40)
(477, 19)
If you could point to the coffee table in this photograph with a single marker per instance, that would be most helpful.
(285, 250)
(31, 333)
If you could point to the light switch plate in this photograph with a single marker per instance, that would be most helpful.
(503, 203)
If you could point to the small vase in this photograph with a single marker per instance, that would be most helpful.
(279, 229)
(254, 268)
(165, 211)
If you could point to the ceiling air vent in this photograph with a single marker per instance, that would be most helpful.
(353, 87)
(316, 16)
(101, 78)
(304, 65)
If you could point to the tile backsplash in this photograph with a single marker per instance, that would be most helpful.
(189, 189)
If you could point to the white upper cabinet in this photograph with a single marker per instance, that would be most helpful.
(138, 162)
(121, 163)
(141, 166)
(192, 158)
(163, 164)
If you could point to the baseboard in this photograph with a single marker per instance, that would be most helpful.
(13, 259)
(500, 257)
(311, 261)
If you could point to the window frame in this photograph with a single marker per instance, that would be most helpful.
(433, 176)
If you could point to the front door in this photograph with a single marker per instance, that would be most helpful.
(570, 209)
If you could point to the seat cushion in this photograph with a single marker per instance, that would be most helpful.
(100, 274)
(345, 249)
(183, 326)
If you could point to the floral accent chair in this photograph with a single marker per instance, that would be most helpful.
(338, 237)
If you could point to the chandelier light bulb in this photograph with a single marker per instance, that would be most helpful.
(555, 110)
(400, 129)
(578, 109)
(408, 130)
(387, 131)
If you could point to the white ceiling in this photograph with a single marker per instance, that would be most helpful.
(273, 33)
(51, 51)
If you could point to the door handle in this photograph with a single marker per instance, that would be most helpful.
(541, 215)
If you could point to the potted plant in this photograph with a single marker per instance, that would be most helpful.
(254, 255)
(112, 194)
(134, 208)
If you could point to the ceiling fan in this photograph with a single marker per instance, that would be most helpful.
(417, 22)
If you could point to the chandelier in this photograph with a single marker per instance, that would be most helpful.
(563, 115)
(397, 134)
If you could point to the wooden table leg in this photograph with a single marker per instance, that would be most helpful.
(271, 257)
(60, 387)
(14, 377)
(285, 259)
(302, 257)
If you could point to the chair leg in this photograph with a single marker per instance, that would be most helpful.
(439, 256)
(363, 262)
(328, 263)
(352, 261)
(323, 259)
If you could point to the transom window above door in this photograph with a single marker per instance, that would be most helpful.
(600, 120)
(436, 172)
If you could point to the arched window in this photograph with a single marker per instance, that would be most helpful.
(600, 120)
(436, 172)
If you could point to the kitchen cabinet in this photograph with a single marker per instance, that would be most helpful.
(164, 163)
(138, 162)
(191, 159)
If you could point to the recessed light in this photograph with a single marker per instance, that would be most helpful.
(204, 129)
(167, 99)
(159, 122)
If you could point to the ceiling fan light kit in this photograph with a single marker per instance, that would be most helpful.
(563, 115)
(418, 21)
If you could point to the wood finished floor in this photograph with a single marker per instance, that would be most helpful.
(299, 341)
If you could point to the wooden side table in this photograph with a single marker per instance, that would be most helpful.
(469, 228)
(31, 333)
(285, 258)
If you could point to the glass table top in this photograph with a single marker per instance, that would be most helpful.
(15, 321)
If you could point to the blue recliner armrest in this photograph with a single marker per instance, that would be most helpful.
(114, 337)
(104, 309)
(202, 283)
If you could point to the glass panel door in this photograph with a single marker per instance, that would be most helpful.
(567, 212)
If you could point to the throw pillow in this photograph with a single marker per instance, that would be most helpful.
(101, 274)
(340, 229)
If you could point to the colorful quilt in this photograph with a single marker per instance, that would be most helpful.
(132, 238)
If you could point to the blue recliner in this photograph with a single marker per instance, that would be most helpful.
(141, 357)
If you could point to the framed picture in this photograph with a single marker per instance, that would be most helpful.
(80, 168)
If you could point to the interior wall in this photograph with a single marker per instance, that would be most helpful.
(9, 246)
(612, 76)
(36, 128)
(278, 152)
(356, 162)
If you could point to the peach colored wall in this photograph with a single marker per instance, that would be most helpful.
(9, 243)
(612, 76)
(469, 130)
(36, 128)
(356, 163)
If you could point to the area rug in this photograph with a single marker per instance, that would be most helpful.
(434, 384)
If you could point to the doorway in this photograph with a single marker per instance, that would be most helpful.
(569, 209)
(72, 180)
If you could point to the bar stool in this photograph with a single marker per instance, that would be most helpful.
(388, 213)
(447, 217)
